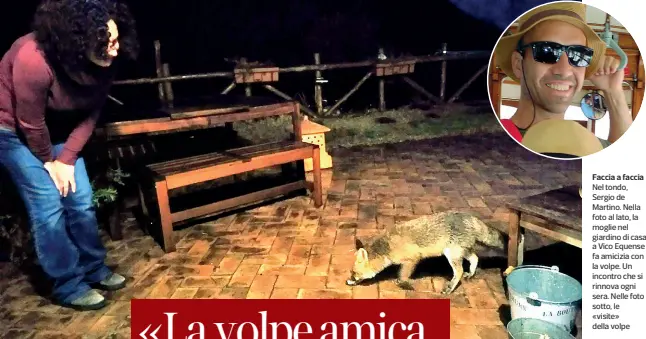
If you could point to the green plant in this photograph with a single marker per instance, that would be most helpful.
(107, 192)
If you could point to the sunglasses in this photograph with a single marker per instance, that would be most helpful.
(548, 52)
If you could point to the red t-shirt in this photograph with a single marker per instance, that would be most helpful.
(29, 88)
(512, 129)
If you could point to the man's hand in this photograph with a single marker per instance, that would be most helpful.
(65, 175)
(608, 77)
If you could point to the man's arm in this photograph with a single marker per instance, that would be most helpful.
(32, 79)
(620, 118)
(609, 79)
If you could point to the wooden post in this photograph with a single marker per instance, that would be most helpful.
(166, 217)
(168, 87)
(514, 238)
(318, 92)
(382, 85)
(316, 168)
(247, 89)
(495, 86)
(229, 125)
(159, 71)
(296, 122)
(443, 77)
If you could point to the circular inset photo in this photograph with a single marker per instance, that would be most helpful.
(563, 80)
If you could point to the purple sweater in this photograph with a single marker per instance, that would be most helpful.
(30, 91)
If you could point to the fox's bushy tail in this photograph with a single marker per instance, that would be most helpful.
(491, 236)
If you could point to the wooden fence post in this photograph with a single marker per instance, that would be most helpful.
(443, 76)
(160, 72)
(382, 88)
(318, 92)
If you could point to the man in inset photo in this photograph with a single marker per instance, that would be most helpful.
(551, 55)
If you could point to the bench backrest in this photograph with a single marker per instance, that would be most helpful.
(174, 124)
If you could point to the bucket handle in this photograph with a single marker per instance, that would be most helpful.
(534, 302)
(532, 299)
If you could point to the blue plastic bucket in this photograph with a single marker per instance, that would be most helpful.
(544, 293)
(528, 328)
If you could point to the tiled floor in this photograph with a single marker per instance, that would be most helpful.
(292, 250)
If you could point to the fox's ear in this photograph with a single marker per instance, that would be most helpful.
(358, 244)
(362, 255)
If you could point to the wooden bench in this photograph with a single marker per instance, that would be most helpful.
(178, 173)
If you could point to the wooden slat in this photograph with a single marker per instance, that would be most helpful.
(168, 167)
(133, 149)
(191, 177)
(266, 112)
(153, 126)
(205, 160)
(137, 122)
(555, 232)
(183, 113)
(554, 206)
(239, 201)
(158, 125)
(285, 104)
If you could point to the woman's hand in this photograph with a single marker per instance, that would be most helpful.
(51, 169)
(62, 175)
(65, 175)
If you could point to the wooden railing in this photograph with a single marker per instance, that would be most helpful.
(252, 73)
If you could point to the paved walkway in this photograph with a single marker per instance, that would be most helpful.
(290, 249)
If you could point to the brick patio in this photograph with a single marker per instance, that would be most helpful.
(290, 249)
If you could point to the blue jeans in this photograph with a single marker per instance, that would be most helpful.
(64, 229)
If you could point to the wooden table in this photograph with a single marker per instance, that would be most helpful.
(555, 214)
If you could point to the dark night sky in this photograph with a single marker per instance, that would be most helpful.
(196, 36)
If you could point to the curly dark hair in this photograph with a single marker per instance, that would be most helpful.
(67, 29)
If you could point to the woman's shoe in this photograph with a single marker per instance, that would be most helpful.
(92, 300)
(112, 283)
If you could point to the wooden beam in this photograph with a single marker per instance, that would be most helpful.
(467, 84)
(420, 89)
(347, 95)
(287, 97)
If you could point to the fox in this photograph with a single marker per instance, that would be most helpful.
(451, 234)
